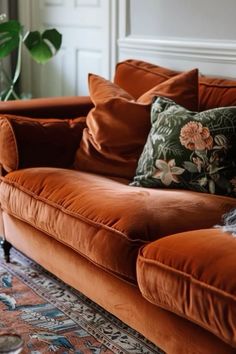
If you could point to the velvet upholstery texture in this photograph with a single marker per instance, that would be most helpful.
(28, 142)
(174, 334)
(216, 93)
(118, 126)
(59, 200)
(137, 76)
(57, 107)
(87, 229)
(193, 275)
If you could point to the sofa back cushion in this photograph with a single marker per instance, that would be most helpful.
(214, 92)
(137, 76)
(118, 126)
(30, 142)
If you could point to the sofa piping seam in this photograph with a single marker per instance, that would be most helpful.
(150, 71)
(67, 245)
(73, 214)
(217, 85)
(168, 77)
(188, 276)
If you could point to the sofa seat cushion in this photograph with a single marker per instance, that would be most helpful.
(193, 275)
(104, 219)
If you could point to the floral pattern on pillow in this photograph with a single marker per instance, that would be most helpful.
(189, 150)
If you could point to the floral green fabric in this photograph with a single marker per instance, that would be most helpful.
(189, 150)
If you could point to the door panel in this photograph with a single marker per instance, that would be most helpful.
(87, 28)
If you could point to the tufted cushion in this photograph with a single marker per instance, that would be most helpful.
(193, 275)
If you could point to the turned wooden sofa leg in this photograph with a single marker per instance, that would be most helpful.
(6, 246)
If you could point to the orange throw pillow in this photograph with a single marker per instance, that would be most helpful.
(118, 126)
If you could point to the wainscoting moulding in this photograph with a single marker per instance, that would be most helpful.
(212, 57)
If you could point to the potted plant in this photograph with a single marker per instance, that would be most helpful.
(41, 46)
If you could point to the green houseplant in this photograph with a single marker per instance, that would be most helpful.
(41, 46)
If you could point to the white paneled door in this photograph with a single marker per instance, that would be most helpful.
(89, 30)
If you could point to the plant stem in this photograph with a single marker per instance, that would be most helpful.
(11, 91)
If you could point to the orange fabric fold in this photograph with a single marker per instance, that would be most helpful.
(118, 125)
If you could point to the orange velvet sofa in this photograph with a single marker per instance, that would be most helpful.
(151, 257)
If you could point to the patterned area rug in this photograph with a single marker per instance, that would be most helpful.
(53, 317)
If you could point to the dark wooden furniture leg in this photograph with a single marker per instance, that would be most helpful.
(6, 246)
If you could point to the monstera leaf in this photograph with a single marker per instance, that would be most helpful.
(9, 37)
(43, 47)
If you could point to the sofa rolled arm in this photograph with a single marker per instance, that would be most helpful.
(193, 275)
(38, 142)
(56, 107)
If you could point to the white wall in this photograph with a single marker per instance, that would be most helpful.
(180, 34)
(195, 19)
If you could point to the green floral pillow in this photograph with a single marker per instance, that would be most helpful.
(189, 150)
